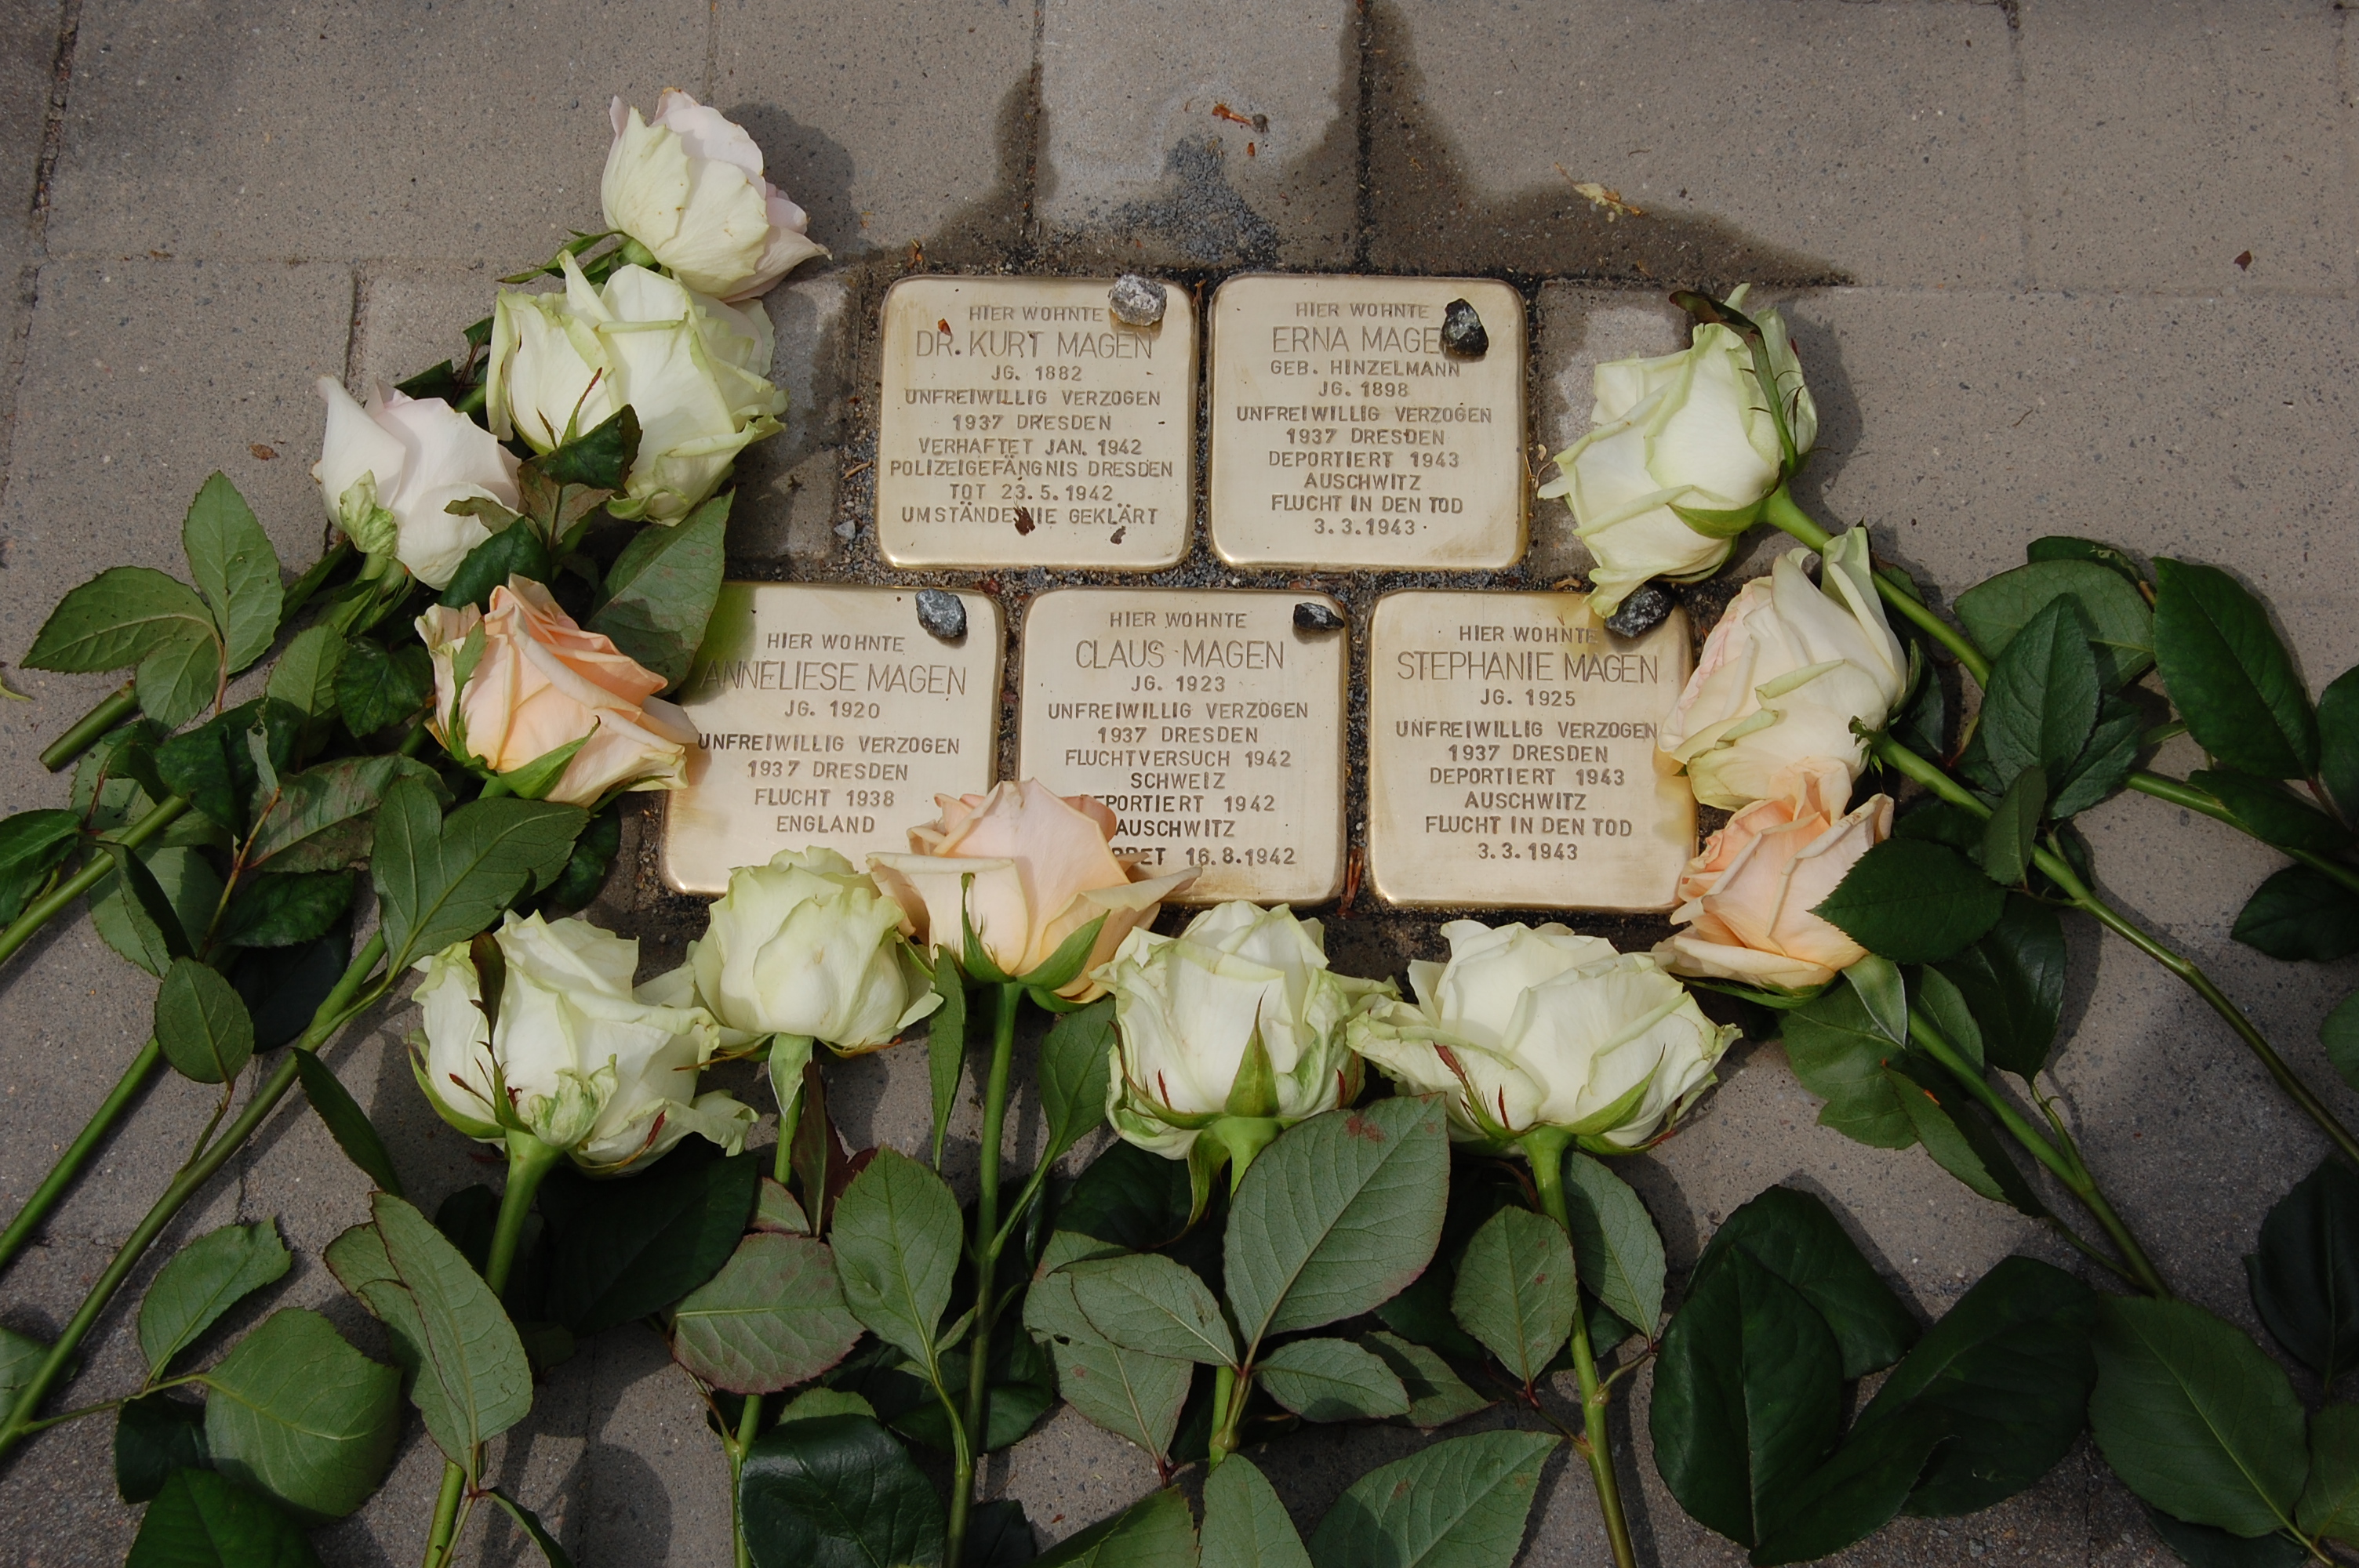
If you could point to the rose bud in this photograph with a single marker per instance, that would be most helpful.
(390, 469)
(688, 186)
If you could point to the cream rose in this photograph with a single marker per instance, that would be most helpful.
(1040, 870)
(690, 366)
(1790, 667)
(574, 1057)
(539, 682)
(807, 946)
(1237, 1016)
(1681, 453)
(687, 185)
(390, 469)
(1745, 901)
(1527, 1028)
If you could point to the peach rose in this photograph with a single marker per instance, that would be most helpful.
(541, 682)
(1749, 897)
(1041, 871)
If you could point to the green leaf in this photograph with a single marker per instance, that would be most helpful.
(305, 678)
(1335, 1216)
(2103, 763)
(2300, 914)
(299, 1414)
(285, 910)
(145, 909)
(469, 1376)
(2009, 1369)
(1133, 1396)
(117, 619)
(1153, 1532)
(1748, 1395)
(2200, 1546)
(347, 1123)
(897, 1232)
(1945, 1010)
(1461, 1503)
(1128, 1196)
(2009, 837)
(2272, 813)
(2338, 742)
(1516, 1291)
(660, 590)
(2339, 1032)
(204, 1280)
(201, 1520)
(1914, 902)
(622, 1249)
(155, 1435)
(201, 1024)
(1851, 1496)
(2012, 980)
(1932, 1109)
(2121, 628)
(551, 1553)
(512, 552)
(20, 1356)
(179, 680)
(1145, 1302)
(586, 868)
(2330, 1498)
(1794, 1236)
(1245, 1525)
(31, 844)
(773, 1317)
(945, 1044)
(284, 986)
(1437, 1396)
(1838, 1054)
(837, 1492)
(235, 568)
(2305, 1277)
(2194, 1419)
(2040, 703)
(2065, 547)
(441, 883)
(1334, 1380)
(1615, 1243)
(999, 1536)
(599, 458)
(1072, 1073)
(2228, 676)
(321, 817)
(536, 778)
(375, 689)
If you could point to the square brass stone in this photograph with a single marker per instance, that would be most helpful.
(1512, 755)
(1210, 725)
(1024, 426)
(829, 717)
(1344, 436)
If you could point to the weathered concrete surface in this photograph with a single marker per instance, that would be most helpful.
(2006, 237)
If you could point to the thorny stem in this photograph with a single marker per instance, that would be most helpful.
(2059, 872)
(1545, 1147)
(988, 1240)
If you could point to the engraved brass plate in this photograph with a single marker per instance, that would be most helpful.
(1512, 755)
(1024, 426)
(1212, 725)
(1344, 436)
(829, 717)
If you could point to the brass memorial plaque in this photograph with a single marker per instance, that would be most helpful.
(1207, 720)
(1024, 426)
(1512, 755)
(1345, 434)
(829, 717)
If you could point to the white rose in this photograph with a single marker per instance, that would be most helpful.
(1680, 456)
(692, 367)
(1237, 1016)
(808, 946)
(1526, 1028)
(409, 457)
(574, 1058)
(1782, 677)
(688, 186)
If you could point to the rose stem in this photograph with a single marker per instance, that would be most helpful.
(2062, 1157)
(987, 1244)
(529, 1159)
(340, 1006)
(112, 710)
(1245, 1137)
(2058, 871)
(749, 1425)
(1545, 1147)
(45, 908)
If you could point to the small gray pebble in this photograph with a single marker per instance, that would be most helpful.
(1135, 299)
(941, 612)
(1309, 615)
(1462, 332)
(1641, 612)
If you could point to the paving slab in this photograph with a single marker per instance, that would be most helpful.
(1816, 141)
(2162, 142)
(916, 127)
(1178, 134)
(415, 130)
